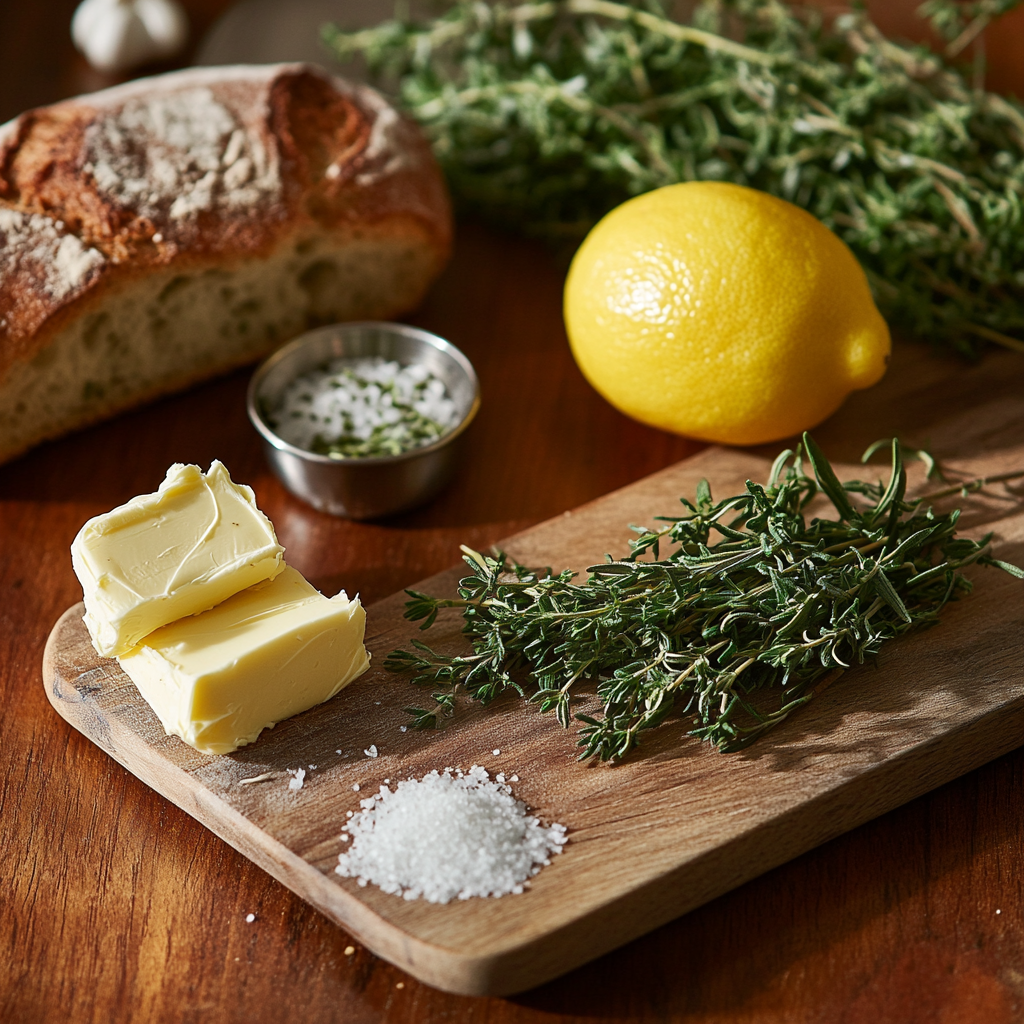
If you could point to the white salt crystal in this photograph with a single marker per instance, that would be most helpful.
(352, 398)
(355, 788)
(495, 751)
(403, 728)
(443, 836)
(249, 918)
(297, 775)
(372, 751)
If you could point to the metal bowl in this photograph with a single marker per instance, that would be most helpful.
(364, 488)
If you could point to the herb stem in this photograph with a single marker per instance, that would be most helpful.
(972, 486)
(547, 115)
(669, 29)
(777, 604)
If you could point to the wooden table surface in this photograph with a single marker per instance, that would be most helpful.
(116, 906)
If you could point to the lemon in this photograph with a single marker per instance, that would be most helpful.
(722, 313)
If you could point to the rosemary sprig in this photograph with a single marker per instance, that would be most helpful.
(545, 115)
(773, 603)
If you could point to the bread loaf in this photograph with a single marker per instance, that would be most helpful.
(166, 230)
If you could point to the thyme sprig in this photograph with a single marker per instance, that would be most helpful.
(773, 603)
(545, 115)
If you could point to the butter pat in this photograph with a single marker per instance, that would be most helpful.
(194, 543)
(218, 679)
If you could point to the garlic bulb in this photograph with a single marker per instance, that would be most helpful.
(117, 35)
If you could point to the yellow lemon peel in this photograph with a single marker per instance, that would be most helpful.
(722, 313)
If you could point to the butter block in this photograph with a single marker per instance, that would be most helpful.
(218, 679)
(194, 543)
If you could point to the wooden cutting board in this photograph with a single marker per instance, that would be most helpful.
(671, 828)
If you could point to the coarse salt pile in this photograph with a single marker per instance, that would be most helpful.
(364, 407)
(447, 835)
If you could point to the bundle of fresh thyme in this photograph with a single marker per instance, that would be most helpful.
(547, 114)
(775, 603)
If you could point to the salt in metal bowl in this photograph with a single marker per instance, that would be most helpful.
(364, 488)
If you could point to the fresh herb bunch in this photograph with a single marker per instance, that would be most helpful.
(775, 603)
(546, 115)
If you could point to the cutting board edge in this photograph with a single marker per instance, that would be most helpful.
(518, 970)
(539, 959)
(430, 963)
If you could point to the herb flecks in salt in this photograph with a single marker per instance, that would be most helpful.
(446, 836)
(364, 408)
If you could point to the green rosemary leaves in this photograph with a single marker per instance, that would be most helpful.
(545, 115)
(772, 604)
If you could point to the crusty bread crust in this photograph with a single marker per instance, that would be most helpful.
(197, 172)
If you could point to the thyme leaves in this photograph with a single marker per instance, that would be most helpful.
(752, 610)
(545, 115)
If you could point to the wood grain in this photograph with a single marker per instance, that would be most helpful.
(125, 908)
(116, 906)
(938, 704)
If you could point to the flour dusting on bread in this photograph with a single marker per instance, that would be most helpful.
(163, 231)
(31, 239)
(179, 154)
